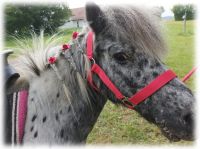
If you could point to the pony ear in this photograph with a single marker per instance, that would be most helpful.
(95, 17)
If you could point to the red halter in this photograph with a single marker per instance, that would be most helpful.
(141, 95)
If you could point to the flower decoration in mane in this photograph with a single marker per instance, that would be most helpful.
(66, 47)
(75, 35)
(52, 59)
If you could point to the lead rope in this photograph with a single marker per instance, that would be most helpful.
(189, 74)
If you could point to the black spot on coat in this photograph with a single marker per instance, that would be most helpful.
(33, 118)
(35, 134)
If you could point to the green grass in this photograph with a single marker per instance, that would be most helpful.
(118, 125)
(181, 56)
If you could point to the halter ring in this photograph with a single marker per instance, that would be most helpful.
(92, 61)
(126, 102)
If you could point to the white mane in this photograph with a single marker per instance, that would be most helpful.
(33, 56)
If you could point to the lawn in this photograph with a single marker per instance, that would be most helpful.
(119, 125)
(181, 56)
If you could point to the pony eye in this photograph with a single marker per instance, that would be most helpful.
(120, 57)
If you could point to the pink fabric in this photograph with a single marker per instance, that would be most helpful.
(23, 95)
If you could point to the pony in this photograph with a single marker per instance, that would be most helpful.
(60, 109)
(129, 47)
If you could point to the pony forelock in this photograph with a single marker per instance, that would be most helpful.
(138, 27)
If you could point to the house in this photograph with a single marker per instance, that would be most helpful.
(76, 20)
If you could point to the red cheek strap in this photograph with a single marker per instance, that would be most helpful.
(97, 70)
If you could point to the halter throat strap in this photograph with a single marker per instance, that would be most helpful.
(137, 98)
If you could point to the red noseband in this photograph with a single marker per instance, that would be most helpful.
(140, 96)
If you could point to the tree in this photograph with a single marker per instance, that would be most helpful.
(179, 11)
(21, 19)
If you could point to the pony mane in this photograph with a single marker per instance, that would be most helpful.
(32, 60)
(136, 26)
(32, 55)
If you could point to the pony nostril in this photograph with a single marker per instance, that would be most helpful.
(188, 118)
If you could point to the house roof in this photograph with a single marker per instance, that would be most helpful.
(78, 13)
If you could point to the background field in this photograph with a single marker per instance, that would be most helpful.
(119, 125)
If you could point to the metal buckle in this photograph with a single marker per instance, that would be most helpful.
(92, 61)
(127, 103)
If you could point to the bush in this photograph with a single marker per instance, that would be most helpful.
(22, 19)
(179, 11)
